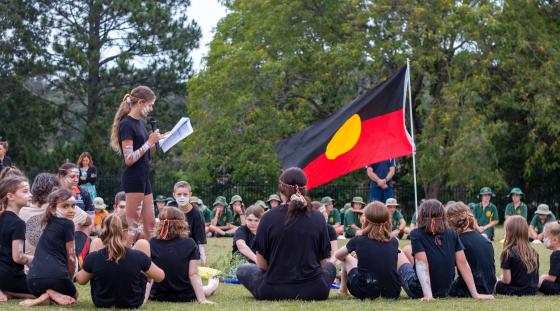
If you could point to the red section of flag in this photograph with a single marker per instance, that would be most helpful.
(381, 138)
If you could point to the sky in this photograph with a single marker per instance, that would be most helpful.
(206, 13)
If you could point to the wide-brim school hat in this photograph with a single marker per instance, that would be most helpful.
(220, 201)
(99, 203)
(516, 191)
(236, 198)
(358, 200)
(486, 190)
(327, 200)
(391, 202)
(543, 209)
(160, 198)
(273, 197)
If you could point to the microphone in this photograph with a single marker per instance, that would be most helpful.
(153, 123)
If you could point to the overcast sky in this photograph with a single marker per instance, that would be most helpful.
(206, 13)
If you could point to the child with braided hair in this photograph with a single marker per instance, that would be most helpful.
(478, 250)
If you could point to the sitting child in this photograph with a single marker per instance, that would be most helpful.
(478, 250)
(178, 256)
(114, 268)
(373, 273)
(222, 219)
(243, 240)
(436, 251)
(542, 216)
(519, 261)
(549, 283)
(352, 218)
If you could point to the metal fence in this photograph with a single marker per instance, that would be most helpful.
(108, 186)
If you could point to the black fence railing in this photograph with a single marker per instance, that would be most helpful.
(108, 186)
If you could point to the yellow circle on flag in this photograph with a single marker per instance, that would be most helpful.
(345, 138)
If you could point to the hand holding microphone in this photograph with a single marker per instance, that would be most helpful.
(155, 136)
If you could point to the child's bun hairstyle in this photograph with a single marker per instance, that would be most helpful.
(460, 217)
(431, 217)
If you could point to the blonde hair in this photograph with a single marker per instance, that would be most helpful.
(112, 236)
(517, 242)
(460, 217)
(172, 224)
(378, 222)
(553, 228)
(138, 94)
(81, 159)
(181, 184)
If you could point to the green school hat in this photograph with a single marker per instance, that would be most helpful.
(273, 197)
(543, 209)
(391, 202)
(486, 190)
(236, 198)
(516, 191)
(261, 204)
(347, 205)
(220, 201)
(327, 200)
(160, 198)
(358, 200)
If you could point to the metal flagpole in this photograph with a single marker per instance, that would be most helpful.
(412, 135)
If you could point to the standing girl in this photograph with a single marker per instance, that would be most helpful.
(114, 268)
(14, 194)
(519, 261)
(178, 256)
(88, 174)
(129, 138)
(51, 272)
(374, 272)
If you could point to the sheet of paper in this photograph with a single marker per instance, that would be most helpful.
(180, 131)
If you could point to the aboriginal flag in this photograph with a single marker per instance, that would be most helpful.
(368, 130)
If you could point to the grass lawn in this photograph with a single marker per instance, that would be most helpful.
(235, 297)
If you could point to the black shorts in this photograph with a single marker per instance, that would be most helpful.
(459, 290)
(316, 289)
(173, 296)
(136, 181)
(410, 282)
(362, 285)
(14, 283)
(40, 286)
(505, 289)
(550, 288)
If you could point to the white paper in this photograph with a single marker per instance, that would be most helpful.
(180, 131)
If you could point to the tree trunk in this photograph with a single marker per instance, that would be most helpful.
(94, 55)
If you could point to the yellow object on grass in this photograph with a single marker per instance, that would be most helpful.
(206, 273)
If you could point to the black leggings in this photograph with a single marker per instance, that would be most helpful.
(40, 286)
(315, 289)
(14, 283)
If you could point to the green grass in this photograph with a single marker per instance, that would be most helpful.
(235, 297)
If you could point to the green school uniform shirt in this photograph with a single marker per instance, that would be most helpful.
(413, 220)
(343, 215)
(349, 219)
(334, 217)
(536, 222)
(226, 217)
(521, 210)
(206, 214)
(236, 219)
(486, 215)
(395, 220)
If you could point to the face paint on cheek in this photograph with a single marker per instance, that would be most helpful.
(59, 213)
(146, 110)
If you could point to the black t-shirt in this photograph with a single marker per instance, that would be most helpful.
(293, 250)
(380, 260)
(520, 279)
(117, 284)
(133, 129)
(12, 228)
(7, 161)
(83, 200)
(332, 233)
(196, 226)
(555, 266)
(480, 256)
(243, 233)
(50, 260)
(173, 257)
(440, 251)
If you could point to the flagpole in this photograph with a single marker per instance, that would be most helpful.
(412, 135)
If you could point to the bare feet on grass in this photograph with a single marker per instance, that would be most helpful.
(42, 300)
(60, 299)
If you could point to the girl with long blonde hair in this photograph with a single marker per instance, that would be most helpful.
(129, 138)
(519, 261)
(113, 268)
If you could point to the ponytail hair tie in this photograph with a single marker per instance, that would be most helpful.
(299, 197)
(164, 229)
